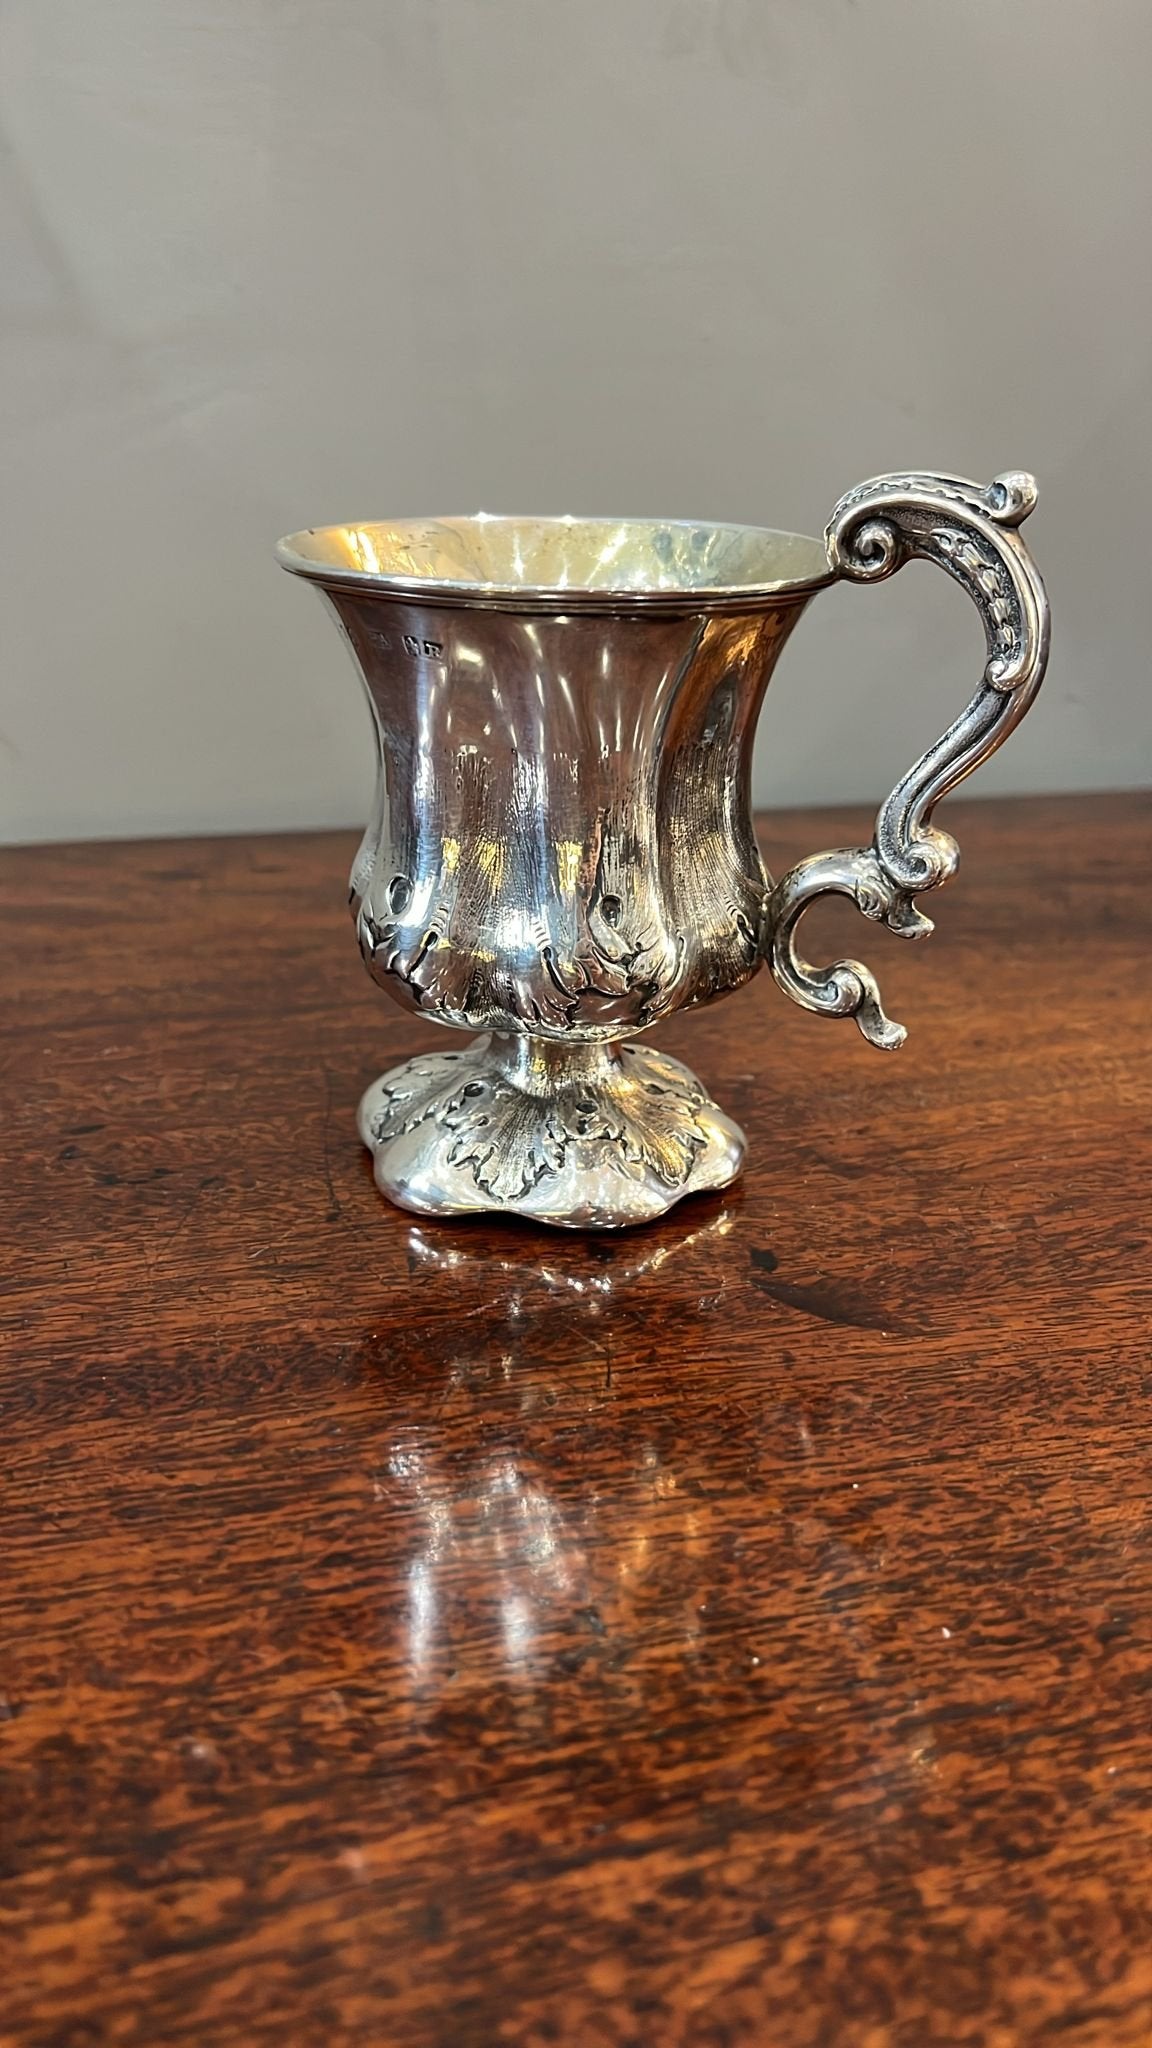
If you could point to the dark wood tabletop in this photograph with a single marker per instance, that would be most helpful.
(737, 1631)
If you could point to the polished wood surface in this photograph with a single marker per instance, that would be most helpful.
(735, 1632)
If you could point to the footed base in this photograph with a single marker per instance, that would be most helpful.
(587, 1137)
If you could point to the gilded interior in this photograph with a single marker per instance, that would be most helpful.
(570, 559)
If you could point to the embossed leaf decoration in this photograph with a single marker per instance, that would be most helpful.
(415, 1097)
(638, 1124)
(662, 1134)
(506, 1143)
(650, 1128)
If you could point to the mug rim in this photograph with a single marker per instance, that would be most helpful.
(348, 555)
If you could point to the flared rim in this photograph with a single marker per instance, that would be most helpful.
(561, 564)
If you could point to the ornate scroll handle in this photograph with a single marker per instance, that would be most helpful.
(972, 533)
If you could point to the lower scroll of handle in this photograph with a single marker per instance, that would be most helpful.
(972, 534)
(847, 988)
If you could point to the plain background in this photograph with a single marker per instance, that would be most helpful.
(276, 262)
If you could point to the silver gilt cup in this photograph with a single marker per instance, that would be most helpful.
(562, 850)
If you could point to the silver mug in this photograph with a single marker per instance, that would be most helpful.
(562, 848)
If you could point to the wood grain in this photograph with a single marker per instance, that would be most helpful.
(736, 1632)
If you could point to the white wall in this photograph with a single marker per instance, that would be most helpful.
(276, 262)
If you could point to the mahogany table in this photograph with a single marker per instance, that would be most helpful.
(735, 1632)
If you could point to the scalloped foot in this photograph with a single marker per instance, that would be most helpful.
(585, 1137)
